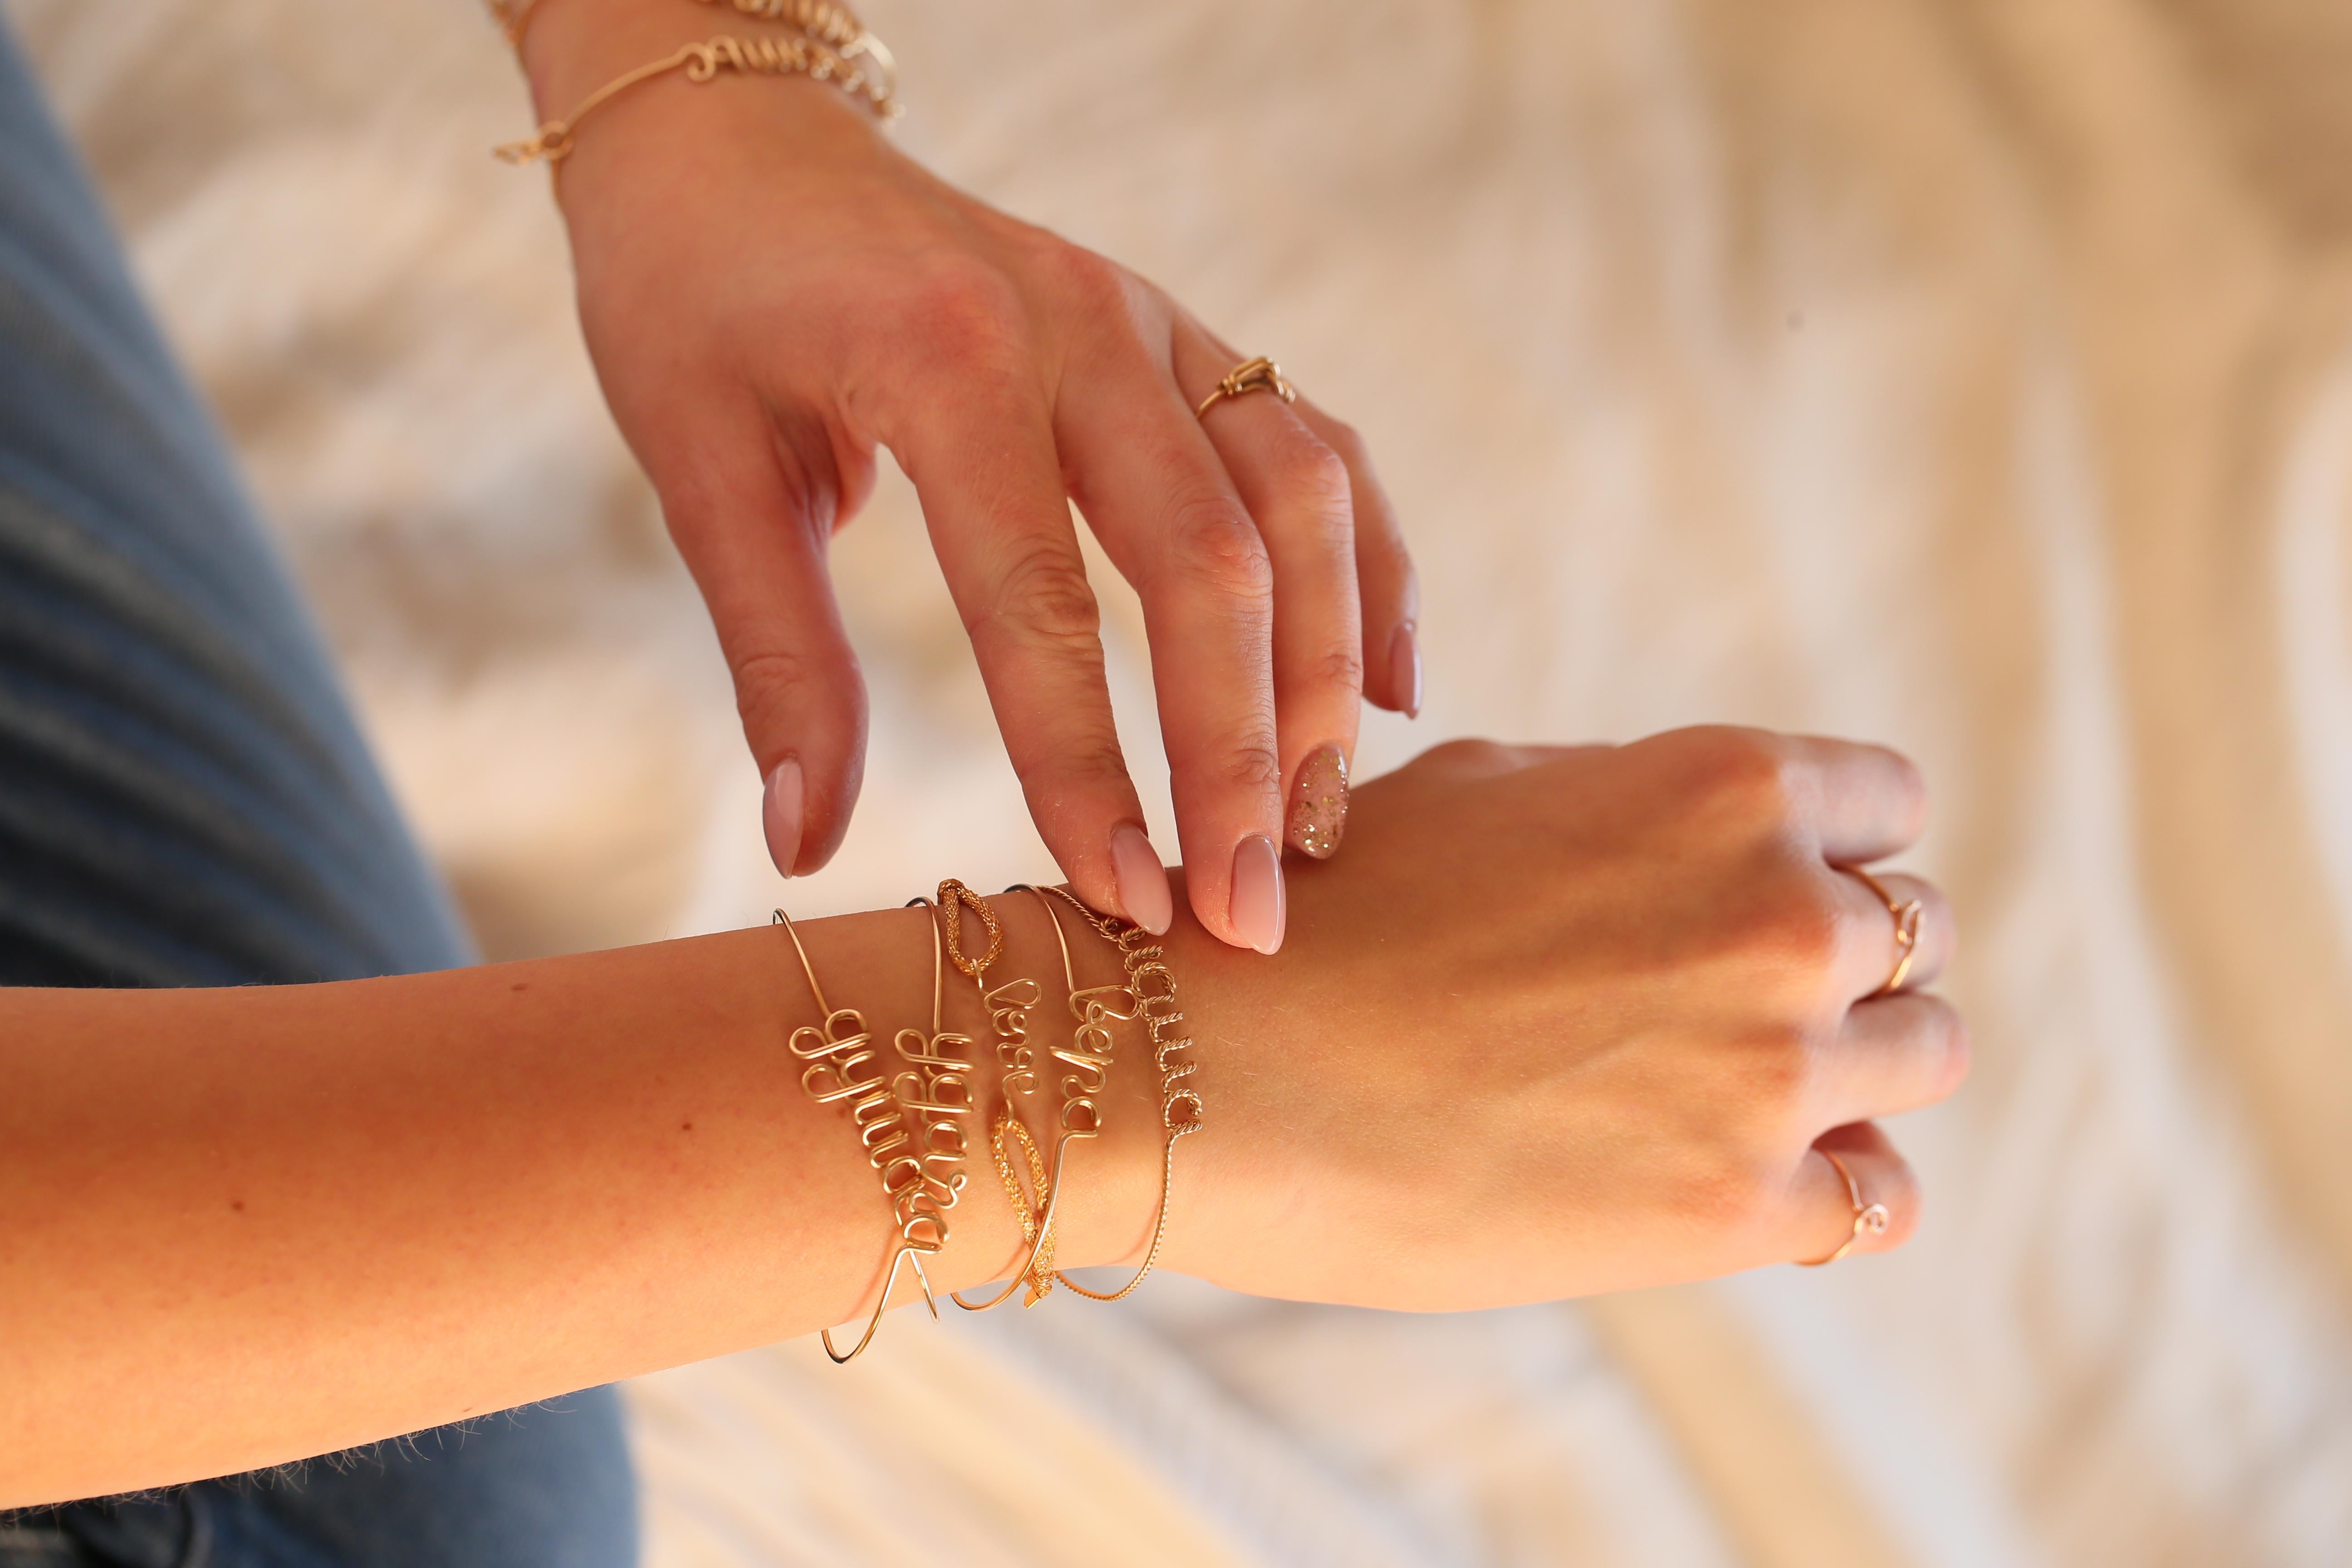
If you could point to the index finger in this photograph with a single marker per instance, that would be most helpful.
(1868, 801)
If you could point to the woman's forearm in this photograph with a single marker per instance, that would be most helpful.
(242, 1226)
(1558, 1021)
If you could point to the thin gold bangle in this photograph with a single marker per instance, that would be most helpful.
(907, 1249)
(1034, 1272)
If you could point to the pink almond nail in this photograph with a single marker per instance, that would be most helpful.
(780, 814)
(1259, 905)
(1404, 669)
(1142, 880)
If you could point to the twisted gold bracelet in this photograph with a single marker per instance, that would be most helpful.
(1179, 1108)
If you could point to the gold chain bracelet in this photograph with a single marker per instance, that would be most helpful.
(702, 62)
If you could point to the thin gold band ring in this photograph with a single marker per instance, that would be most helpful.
(1868, 1219)
(1909, 913)
(1260, 374)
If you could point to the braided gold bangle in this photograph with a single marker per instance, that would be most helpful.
(1153, 986)
(702, 62)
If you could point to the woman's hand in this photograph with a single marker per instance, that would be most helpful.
(771, 290)
(1564, 1021)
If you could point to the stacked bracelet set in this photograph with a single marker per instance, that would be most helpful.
(911, 1122)
(823, 41)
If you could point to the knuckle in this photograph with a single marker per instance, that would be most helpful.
(1726, 1190)
(1250, 770)
(1342, 668)
(1081, 765)
(1773, 1076)
(1215, 544)
(965, 315)
(1093, 283)
(775, 680)
(1742, 776)
(1311, 474)
(1042, 597)
(1799, 933)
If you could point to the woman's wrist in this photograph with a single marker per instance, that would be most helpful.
(575, 47)
(881, 964)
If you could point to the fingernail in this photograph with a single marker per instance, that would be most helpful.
(779, 815)
(1404, 669)
(1258, 908)
(1142, 880)
(1319, 803)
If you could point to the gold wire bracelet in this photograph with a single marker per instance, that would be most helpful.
(832, 1077)
(823, 20)
(1179, 1108)
(702, 62)
(1081, 1117)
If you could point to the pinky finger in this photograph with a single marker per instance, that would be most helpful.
(1877, 1213)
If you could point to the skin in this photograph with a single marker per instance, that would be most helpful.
(771, 292)
(1561, 1021)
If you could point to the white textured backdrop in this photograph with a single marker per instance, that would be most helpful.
(1975, 374)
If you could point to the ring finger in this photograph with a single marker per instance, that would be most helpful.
(1299, 492)
(1826, 1213)
(1874, 952)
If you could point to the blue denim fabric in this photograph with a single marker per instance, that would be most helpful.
(186, 800)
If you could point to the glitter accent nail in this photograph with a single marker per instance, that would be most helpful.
(1319, 803)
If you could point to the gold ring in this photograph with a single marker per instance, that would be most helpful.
(1908, 915)
(1871, 1219)
(1260, 374)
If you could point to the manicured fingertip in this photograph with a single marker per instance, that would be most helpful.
(1259, 906)
(1404, 670)
(1143, 895)
(1319, 803)
(782, 814)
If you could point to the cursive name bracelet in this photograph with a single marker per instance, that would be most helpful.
(702, 62)
(842, 1067)
(1153, 987)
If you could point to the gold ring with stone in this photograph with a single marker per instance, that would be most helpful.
(1260, 374)
(1868, 1219)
